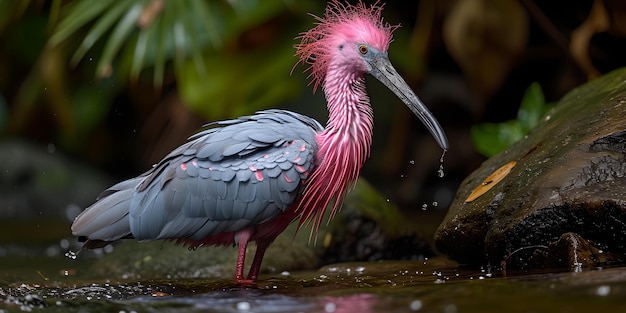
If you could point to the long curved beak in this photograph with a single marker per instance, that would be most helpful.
(382, 69)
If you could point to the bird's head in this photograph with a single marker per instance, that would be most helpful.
(349, 35)
(355, 38)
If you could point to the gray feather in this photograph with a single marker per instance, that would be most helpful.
(228, 175)
(239, 210)
(234, 149)
(243, 176)
(221, 193)
(107, 219)
(247, 191)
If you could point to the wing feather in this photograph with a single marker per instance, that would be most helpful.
(227, 177)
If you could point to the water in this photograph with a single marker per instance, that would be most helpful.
(440, 172)
(38, 276)
(71, 255)
(57, 284)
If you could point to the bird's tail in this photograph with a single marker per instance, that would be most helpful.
(106, 220)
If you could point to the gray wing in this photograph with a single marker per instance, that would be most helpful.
(106, 220)
(239, 173)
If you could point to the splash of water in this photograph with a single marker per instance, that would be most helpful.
(71, 255)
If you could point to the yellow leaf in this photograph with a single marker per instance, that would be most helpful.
(491, 181)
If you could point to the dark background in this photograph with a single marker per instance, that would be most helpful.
(470, 61)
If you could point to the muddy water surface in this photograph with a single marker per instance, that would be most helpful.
(56, 284)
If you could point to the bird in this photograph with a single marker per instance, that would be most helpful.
(246, 179)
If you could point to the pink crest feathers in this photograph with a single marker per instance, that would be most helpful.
(352, 23)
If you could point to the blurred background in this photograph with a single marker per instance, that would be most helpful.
(92, 92)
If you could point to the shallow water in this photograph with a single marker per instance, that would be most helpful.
(57, 284)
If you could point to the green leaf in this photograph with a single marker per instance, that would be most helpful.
(208, 21)
(489, 139)
(533, 107)
(118, 37)
(79, 14)
(102, 25)
(162, 43)
(194, 40)
(141, 50)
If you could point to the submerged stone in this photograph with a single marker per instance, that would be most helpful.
(568, 176)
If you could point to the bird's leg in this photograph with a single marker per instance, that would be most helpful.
(242, 239)
(261, 246)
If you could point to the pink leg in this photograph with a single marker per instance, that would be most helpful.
(242, 238)
(261, 246)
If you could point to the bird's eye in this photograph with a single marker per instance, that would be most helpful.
(363, 49)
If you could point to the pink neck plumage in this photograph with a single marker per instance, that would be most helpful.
(343, 146)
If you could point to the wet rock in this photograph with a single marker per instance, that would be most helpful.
(567, 176)
(574, 251)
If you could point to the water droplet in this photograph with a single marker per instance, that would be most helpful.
(330, 307)
(424, 207)
(603, 290)
(243, 306)
(71, 211)
(435, 203)
(440, 172)
(71, 255)
(412, 162)
(416, 305)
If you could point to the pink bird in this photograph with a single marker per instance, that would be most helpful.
(247, 179)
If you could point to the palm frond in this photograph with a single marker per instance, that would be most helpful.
(156, 31)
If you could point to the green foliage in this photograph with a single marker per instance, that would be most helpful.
(10, 10)
(196, 37)
(492, 138)
(152, 32)
(234, 85)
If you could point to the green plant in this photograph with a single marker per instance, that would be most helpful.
(492, 138)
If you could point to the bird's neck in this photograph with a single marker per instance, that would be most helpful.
(347, 137)
(350, 114)
(343, 146)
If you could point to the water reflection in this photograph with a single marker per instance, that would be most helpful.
(249, 300)
(425, 286)
(245, 300)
